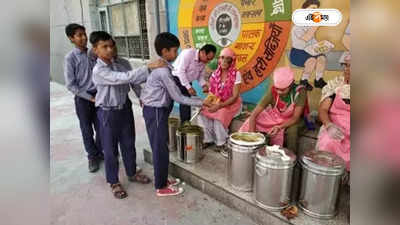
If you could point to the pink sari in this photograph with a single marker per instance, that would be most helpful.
(224, 90)
(273, 116)
(339, 113)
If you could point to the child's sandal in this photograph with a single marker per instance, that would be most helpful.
(140, 178)
(118, 191)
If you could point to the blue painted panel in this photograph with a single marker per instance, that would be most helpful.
(172, 13)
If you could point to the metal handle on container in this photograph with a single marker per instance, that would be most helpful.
(277, 149)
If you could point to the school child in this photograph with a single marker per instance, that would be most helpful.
(122, 65)
(157, 96)
(78, 79)
(115, 112)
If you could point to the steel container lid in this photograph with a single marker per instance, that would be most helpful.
(247, 138)
(322, 162)
(189, 129)
(173, 121)
(276, 157)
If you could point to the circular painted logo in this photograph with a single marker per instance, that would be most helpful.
(256, 30)
(224, 24)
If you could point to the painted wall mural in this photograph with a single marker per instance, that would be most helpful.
(257, 30)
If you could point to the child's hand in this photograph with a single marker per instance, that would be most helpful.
(156, 64)
(192, 92)
(93, 100)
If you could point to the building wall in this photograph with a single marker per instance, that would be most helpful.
(61, 14)
(151, 23)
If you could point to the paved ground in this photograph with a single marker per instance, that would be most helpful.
(81, 198)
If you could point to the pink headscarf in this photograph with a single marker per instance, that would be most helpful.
(219, 89)
(283, 77)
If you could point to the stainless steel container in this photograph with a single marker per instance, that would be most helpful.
(189, 143)
(320, 184)
(273, 177)
(173, 124)
(240, 165)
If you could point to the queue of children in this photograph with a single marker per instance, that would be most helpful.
(101, 81)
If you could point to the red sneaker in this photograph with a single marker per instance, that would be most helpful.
(169, 191)
(173, 182)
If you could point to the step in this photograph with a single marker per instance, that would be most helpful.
(209, 176)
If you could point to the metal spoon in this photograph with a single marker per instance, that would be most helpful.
(194, 116)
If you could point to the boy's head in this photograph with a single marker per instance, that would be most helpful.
(207, 53)
(103, 45)
(311, 4)
(166, 45)
(76, 34)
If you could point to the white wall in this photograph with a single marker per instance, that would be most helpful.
(61, 14)
(151, 23)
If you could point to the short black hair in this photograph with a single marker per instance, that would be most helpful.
(165, 40)
(209, 48)
(71, 28)
(307, 3)
(97, 36)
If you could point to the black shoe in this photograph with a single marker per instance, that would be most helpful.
(224, 152)
(207, 145)
(306, 84)
(221, 149)
(217, 148)
(100, 157)
(93, 165)
(319, 83)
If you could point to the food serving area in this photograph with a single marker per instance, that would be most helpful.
(206, 184)
(210, 175)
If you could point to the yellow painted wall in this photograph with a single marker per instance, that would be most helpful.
(333, 34)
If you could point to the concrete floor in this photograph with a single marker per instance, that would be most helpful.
(82, 198)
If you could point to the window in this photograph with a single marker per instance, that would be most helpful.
(103, 19)
(126, 21)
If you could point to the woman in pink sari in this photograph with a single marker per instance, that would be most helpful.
(224, 84)
(280, 109)
(334, 113)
